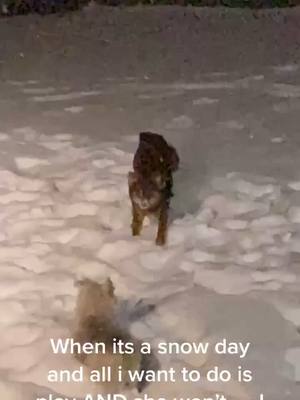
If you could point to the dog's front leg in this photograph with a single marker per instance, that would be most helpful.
(137, 221)
(162, 226)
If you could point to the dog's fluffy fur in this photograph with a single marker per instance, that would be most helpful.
(95, 322)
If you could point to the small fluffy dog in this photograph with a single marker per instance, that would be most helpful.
(95, 317)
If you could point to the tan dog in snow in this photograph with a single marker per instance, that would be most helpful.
(95, 317)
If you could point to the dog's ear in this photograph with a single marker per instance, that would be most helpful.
(109, 288)
(174, 159)
(81, 282)
(132, 178)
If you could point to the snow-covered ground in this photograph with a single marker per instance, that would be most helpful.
(231, 266)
